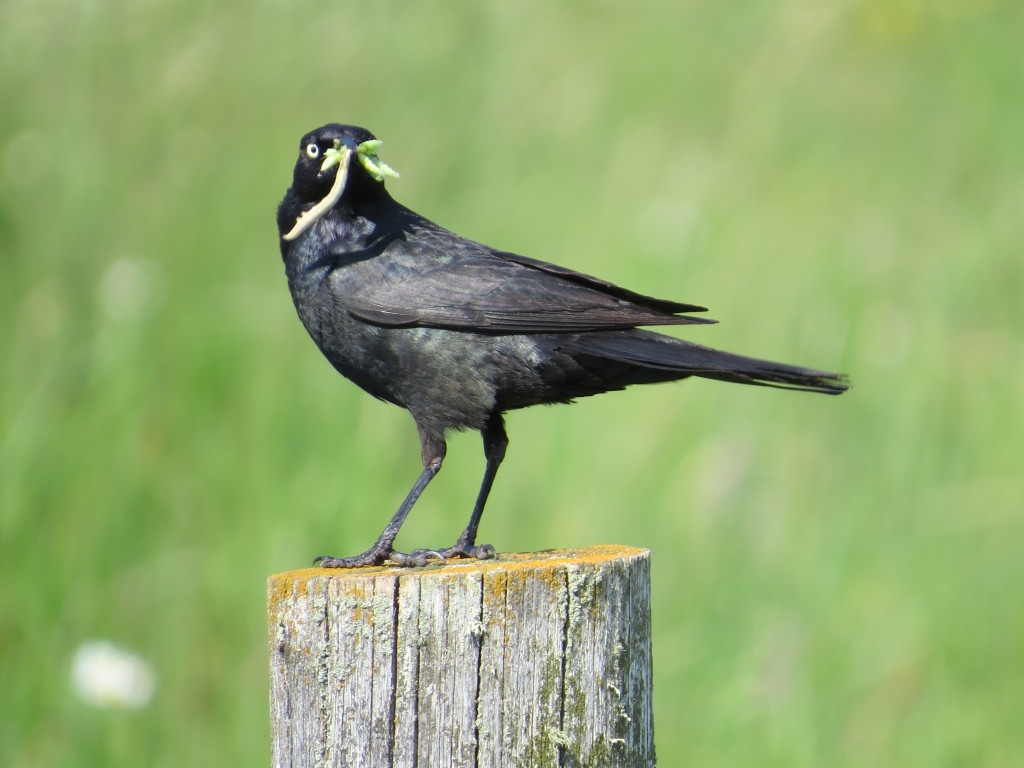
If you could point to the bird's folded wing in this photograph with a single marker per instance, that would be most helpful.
(505, 293)
(589, 281)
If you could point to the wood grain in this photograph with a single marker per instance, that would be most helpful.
(540, 659)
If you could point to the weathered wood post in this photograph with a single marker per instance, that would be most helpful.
(539, 659)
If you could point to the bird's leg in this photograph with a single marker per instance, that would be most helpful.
(433, 450)
(495, 443)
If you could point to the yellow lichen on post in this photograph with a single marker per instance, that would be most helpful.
(538, 659)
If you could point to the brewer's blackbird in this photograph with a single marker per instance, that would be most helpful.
(458, 332)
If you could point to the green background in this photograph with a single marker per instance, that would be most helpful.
(836, 581)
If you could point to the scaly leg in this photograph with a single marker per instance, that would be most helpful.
(495, 443)
(433, 450)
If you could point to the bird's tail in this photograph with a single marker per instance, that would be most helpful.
(656, 352)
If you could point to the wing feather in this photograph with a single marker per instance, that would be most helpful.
(478, 289)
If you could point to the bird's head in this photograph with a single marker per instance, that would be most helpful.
(333, 160)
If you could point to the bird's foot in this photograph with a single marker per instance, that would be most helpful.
(469, 551)
(418, 557)
(421, 557)
(372, 556)
(415, 559)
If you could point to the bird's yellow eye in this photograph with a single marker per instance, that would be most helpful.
(312, 151)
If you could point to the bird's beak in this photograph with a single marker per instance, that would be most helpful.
(335, 155)
(366, 154)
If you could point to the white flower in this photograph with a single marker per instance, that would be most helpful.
(130, 288)
(106, 675)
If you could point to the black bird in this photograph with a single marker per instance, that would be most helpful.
(458, 332)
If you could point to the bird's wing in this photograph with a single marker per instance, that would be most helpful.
(484, 290)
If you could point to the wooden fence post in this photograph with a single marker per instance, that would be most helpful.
(538, 660)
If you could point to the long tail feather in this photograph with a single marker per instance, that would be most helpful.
(650, 350)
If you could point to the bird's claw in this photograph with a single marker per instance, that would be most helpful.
(470, 551)
(368, 558)
(374, 557)
(416, 558)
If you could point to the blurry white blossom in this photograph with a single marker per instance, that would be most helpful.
(106, 675)
(130, 288)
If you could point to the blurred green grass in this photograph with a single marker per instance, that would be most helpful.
(835, 581)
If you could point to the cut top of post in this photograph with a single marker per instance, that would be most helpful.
(283, 584)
